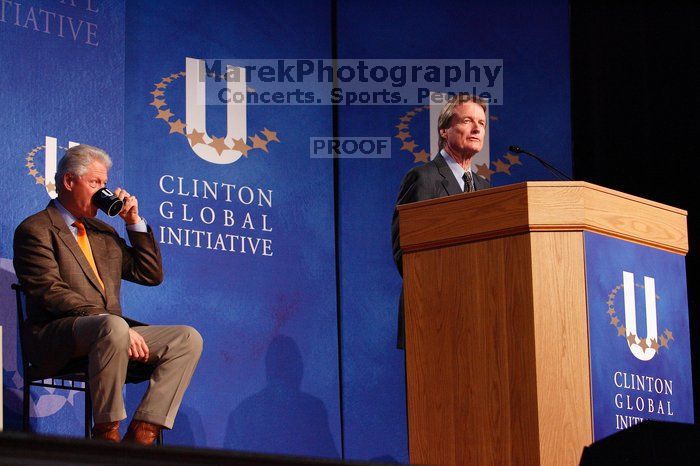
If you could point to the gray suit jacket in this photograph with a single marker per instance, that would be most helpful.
(428, 181)
(60, 285)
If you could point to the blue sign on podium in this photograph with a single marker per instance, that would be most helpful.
(639, 337)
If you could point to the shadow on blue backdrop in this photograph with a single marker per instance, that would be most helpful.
(281, 418)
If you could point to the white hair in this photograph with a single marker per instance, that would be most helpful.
(77, 160)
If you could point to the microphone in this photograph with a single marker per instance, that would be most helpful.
(546, 165)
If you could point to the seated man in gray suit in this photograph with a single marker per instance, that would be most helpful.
(71, 266)
(461, 128)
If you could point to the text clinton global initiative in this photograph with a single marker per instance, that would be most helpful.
(216, 216)
(655, 403)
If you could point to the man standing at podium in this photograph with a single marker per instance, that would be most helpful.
(461, 130)
(71, 266)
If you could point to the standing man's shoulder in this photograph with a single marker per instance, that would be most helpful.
(426, 170)
(420, 183)
(422, 173)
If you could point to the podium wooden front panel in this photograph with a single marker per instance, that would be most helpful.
(497, 354)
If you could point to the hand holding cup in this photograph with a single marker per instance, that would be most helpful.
(130, 211)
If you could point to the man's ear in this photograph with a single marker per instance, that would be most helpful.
(68, 180)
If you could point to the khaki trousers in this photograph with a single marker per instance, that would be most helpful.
(174, 350)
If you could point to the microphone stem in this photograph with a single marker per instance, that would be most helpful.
(561, 175)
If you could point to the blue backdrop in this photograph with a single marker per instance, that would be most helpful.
(532, 41)
(268, 380)
(63, 80)
(285, 369)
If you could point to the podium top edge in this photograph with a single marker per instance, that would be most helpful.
(528, 185)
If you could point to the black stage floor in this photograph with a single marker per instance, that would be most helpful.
(649, 443)
(29, 449)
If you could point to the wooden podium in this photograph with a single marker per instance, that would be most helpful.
(497, 355)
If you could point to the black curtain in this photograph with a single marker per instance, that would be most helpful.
(635, 113)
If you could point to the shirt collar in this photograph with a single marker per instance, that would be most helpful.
(65, 215)
(456, 168)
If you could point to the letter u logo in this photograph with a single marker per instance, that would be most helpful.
(50, 165)
(196, 113)
(641, 348)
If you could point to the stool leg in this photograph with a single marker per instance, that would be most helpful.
(25, 405)
(88, 412)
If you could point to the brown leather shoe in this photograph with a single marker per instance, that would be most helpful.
(108, 431)
(142, 432)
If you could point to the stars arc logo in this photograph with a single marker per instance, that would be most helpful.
(209, 146)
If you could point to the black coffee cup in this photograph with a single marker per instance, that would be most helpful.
(108, 202)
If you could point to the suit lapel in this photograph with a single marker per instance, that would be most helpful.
(449, 182)
(480, 183)
(97, 244)
(71, 243)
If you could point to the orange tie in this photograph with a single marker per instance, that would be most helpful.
(84, 244)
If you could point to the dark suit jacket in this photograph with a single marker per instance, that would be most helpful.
(60, 285)
(428, 181)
